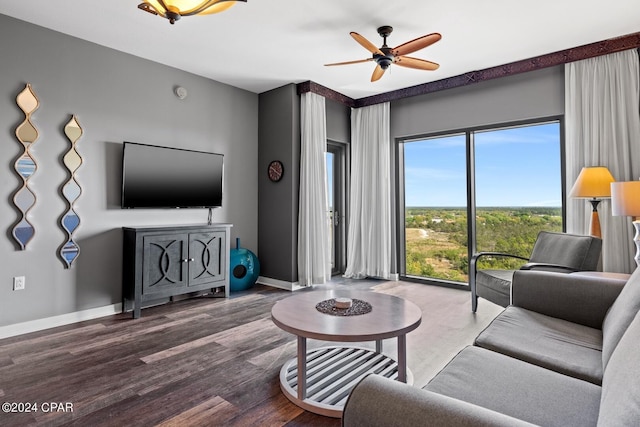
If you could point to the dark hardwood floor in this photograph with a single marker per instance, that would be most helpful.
(202, 361)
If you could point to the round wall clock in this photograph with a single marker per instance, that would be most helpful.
(276, 170)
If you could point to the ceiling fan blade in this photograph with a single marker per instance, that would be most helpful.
(420, 64)
(349, 62)
(416, 44)
(366, 43)
(377, 73)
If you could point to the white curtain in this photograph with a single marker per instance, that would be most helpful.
(602, 99)
(369, 237)
(314, 256)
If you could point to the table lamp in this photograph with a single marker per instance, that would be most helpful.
(593, 183)
(625, 201)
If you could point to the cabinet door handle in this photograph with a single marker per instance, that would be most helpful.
(191, 259)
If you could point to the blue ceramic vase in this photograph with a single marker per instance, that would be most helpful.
(244, 268)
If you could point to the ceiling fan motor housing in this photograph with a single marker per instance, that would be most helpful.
(384, 60)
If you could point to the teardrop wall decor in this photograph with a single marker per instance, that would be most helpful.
(71, 191)
(25, 166)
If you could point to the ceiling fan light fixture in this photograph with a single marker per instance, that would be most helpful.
(173, 10)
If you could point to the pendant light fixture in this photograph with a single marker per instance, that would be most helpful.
(175, 9)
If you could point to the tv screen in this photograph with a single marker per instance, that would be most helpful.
(162, 177)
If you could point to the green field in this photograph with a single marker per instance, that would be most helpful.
(436, 238)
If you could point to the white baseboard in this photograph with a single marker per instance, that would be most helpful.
(280, 284)
(61, 320)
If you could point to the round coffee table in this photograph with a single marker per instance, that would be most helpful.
(320, 380)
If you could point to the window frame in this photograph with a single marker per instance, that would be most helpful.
(469, 133)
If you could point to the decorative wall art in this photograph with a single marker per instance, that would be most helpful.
(25, 166)
(71, 191)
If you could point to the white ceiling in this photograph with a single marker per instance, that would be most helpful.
(264, 44)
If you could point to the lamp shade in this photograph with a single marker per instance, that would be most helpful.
(593, 182)
(625, 198)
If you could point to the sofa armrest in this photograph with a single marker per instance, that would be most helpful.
(381, 402)
(575, 298)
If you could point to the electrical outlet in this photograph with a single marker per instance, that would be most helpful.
(18, 283)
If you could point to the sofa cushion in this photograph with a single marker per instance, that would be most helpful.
(552, 343)
(518, 389)
(495, 285)
(620, 315)
(620, 405)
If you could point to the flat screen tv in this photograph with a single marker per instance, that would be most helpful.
(163, 177)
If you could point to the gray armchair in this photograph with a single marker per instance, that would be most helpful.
(559, 252)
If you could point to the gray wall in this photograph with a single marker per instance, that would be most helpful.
(116, 97)
(279, 135)
(338, 122)
(520, 97)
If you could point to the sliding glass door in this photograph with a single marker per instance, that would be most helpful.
(336, 160)
(518, 183)
(478, 190)
(435, 207)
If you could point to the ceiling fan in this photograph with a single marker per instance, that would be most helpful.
(385, 55)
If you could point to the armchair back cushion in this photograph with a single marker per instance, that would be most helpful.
(571, 250)
(620, 316)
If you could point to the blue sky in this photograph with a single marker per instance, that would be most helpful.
(514, 167)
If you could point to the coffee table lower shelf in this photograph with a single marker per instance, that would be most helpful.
(332, 372)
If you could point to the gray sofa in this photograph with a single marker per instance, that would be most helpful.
(566, 352)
